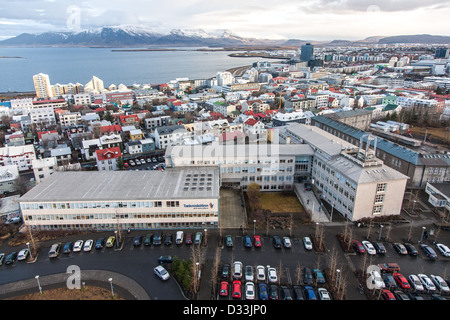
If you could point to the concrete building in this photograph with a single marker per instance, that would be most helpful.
(42, 86)
(179, 198)
(43, 168)
(9, 176)
(107, 159)
(21, 156)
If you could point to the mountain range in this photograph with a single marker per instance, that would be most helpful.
(131, 36)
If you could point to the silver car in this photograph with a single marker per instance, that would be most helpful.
(161, 272)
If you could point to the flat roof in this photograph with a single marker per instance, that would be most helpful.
(127, 185)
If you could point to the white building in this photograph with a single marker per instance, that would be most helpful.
(43, 168)
(21, 156)
(8, 179)
(70, 119)
(42, 86)
(43, 117)
(224, 78)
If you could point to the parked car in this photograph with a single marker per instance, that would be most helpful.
(132, 163)
(137, 241)
(276, 241)
(427, 283)
(249, 290)
(379, 247)
(78, 245)
(110, 241)
(377, 280)
(100, 243)
(389, 267)
(309, 293)
(161, 272)
(387, 295)
(440, 284)
(272, 274)
(263, 291)
(88, 245)
(412, 251)
(223, 292)
(318, 275)
(165, 259)
(228, 241)
(237, 289)
(429, 252)
(68, 247)
(198, 238)
(260, 273)
(247, 241)
(188, 239)
(237, 270)
(137, 161)
(389, 280)
(54, 250)
(126, 165)
(157, 239)
(273, 292)
(400, 295)
(323, 294)
(179, 237)
(285, 293)
(358, 247)
(415, 296)
(415, 282)
(401, 281)
(400, 248)
(298, 293)
(287, 242)
(226, 271)
(2, 258)
(148, 239)
(370, 249)
(445, 251)
(11, 258)
(307, 243)
(257, 241)
(307, 276)
(249, 273)
(437, 296)
(23, 254)
(168, 239)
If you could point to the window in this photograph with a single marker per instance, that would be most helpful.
(381, 187)
(379, 198)
(377, 209)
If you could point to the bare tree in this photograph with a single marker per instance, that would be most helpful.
(349, 241)
(298, 273)
(280, 272)
(215, 271)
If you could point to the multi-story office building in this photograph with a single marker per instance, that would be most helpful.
(43, 117)
(307, 52)
(117, 200)
(42, 86)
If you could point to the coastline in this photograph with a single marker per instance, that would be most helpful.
(5, 57)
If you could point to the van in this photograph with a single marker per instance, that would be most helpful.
(179, 238)
(13, 220)
(54, 250)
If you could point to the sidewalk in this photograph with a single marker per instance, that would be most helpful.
(310, 202)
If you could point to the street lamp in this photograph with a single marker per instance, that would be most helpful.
(421, 237)
(39, 284)
(117, 240)
(414, 205)
(112, 287)
(206, 236)
(381, 229)
(317, 227)
(254, 227)
(332, 209)
(29, 250)
(337, 277)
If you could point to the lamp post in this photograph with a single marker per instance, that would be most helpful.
(337, 277)
(421, 237)
(117, 240)
(381, 229)
(39, 284)
(206, 236)
(112, 287)
(254, 227)
(414, 205)
(317, 227)
(332, 209)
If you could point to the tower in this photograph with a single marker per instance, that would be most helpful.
(42, 86)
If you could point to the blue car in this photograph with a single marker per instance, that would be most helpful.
(247, 242)
(319, 276)
(309, 293)
(263, 292)
(99, 244)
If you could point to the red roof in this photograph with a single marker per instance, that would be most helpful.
(123, 118)
(231, 135)
(100, 109)
(40, 134)
(49, 101)
(109, 153)
(216, 115)
(251, 122)
(112, 128)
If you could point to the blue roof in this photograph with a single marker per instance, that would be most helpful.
(387, 146)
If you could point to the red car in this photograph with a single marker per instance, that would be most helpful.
(389, 267)
(358, 246)
(401, 280)
(126, 165)
(237, 289)
(188, 239)
(387, 295)
(257, 241)
(224, 289)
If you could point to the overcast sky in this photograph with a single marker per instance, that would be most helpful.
(269, 19)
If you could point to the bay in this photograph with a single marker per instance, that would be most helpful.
(72, 65)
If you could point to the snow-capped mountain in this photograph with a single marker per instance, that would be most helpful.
(130, 36)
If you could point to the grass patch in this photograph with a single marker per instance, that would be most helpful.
(280, 202)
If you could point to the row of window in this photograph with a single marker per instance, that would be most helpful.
(90, 205)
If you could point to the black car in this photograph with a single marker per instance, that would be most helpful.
(226, 269)
(298, 293)
(273, 292)
(437, 296)
(100, 243)
(400, 295)
(285, 293)
(430, 253)
(148, 239)
(412, 251)
(307, 276)
(414, 296)
(137, 241)
(165, 259)
(157, 239)
(168, 240)
(276, 242)
(379, 247)
(11, 258)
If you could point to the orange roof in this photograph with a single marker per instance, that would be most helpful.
(108, 153)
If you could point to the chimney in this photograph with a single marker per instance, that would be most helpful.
(288, 140)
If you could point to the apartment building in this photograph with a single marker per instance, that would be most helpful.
(151, 123)
(70, 119)
(42, 86)
(21, 156)
(43, 117)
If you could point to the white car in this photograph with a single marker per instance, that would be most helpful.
(287, 242)
(137, 161)
(88, 245)
(237, 270)
(377, 280)
(443, 249)
(272, 274)
(441, 285)
(23, 254)
(161, 272)
(249, 291)
(370, 249)
(78, 245)
(323, 294)
(307, 243)
(249, 273)
(427, 283)
(260, 273)
(415, 282)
